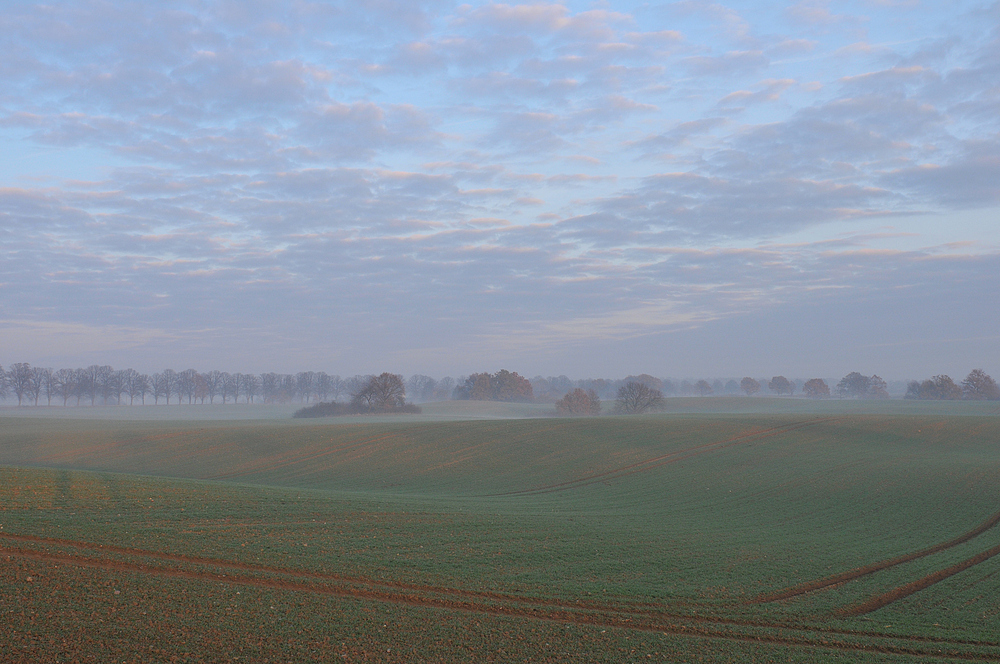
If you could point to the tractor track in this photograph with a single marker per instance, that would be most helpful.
(858, 572)
(640, 617)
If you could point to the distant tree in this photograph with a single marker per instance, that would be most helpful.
(213, 384)
(502, 386)
(249, 386)
(421, 387)
(877, 388)
(687, 388)
(287, 388)
(323, 385)
(718, 387)
(636, 398)
(780, 385)
(816, 388)
(64, 379)
(384, 393)
(355, 384)
(510, 386)
(703, 387)
(41, 383)
(143, 386)
(732, 387)
(579, 402)
(647, 380)
(854, 384)
(444, 388)
(940, 387)
(269, 384)
(668, 388)
(750, 386)
(129, 384)
(3, 384)
(230, 386)
(200, 388)
(20, 379)
(168, 382)
(979, 386)
(337, 387)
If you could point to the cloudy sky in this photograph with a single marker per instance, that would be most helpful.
(584, 188)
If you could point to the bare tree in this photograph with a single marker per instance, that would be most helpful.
(40, 378)
(213, 385)
(305, 385)
(250, 385)
(143, 386)
(420, 387)
(63, 379)
(703, 387)
(19, 378)
(635, 398)
(230, 386)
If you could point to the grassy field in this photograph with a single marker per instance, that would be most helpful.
(727, 530)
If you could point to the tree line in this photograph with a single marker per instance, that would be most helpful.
(103, 384)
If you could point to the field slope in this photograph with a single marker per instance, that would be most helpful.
(796, 536)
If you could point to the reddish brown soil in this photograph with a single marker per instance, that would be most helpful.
(850, 575)
(899, 593)
(658, 619)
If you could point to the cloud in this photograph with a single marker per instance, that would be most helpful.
(731, 64)
(248, 181)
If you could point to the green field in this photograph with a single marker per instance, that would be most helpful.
(726, 530)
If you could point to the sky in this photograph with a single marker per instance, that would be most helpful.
(586, 188)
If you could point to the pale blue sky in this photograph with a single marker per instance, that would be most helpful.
(586, 188)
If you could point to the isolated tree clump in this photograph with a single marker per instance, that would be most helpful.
(781, 385)
(979, 386)
(502, 386)
(816, 388)
(381, 394)
(750, 386)
(579, 402)
(704, 387)
(384, 393)
(859, 386)
(636, 398)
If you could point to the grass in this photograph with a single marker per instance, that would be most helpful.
(544, 539)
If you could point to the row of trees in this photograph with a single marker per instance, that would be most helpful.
(103, 384)
(977, 386)
(29, 385)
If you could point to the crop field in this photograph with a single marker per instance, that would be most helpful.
(795, 533)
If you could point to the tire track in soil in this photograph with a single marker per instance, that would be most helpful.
(302, 574)
(661, 460)
(697, 626)
(858, 572)
(877, 602)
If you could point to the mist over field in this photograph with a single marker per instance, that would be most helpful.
(551, 331)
